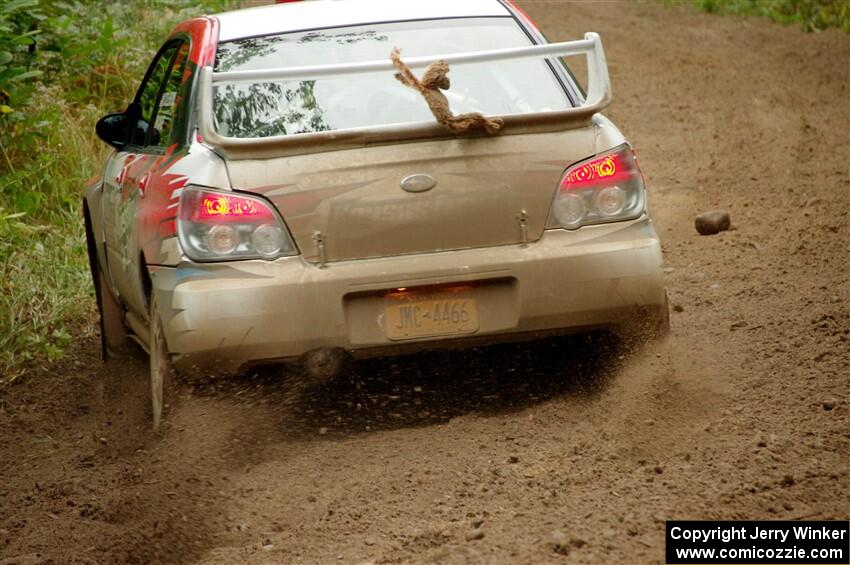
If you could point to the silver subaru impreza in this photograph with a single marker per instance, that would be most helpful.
(365, 177)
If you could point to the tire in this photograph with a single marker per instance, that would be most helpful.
(113, 331)
(162, 375)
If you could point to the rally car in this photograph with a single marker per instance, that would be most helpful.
(294, 179)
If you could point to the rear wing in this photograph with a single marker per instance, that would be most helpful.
(598, 97)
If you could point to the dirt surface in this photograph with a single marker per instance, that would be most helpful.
(573, 450)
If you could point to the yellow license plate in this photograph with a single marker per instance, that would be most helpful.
(415, 314)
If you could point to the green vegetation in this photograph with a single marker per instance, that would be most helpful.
(811, 14)
(62, 66)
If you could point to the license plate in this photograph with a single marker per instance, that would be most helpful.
(415, 314)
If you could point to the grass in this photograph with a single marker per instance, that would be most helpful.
(812, 15)
(62, 66)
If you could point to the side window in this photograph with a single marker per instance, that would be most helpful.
(148, 95)
(148, 98)
(170, 99)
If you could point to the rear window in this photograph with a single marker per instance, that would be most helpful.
(291, 106)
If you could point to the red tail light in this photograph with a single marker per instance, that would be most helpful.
(616, 167)
(217, 225)
(605, 188)
(224, 208)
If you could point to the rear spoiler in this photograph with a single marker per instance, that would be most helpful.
(598, 97)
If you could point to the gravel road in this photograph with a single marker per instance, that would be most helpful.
(573, 450)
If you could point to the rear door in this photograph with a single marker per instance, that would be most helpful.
(129, 173)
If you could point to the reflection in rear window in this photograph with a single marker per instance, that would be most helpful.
(291, 106)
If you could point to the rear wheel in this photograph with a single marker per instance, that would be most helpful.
(162, 375)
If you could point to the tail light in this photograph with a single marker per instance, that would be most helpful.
(222, 226)
(605, 188)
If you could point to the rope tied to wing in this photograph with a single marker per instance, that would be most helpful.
(434, 79)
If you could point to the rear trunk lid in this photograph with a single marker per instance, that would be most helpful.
(346, 205)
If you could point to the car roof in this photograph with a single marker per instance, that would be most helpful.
(297, 16)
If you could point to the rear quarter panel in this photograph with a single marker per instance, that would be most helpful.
(169, 174)
(186, 161)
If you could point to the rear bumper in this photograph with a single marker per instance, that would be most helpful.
(220, 317)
